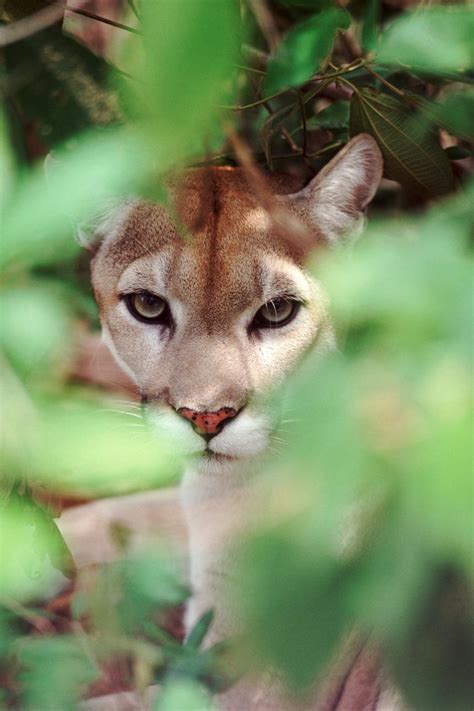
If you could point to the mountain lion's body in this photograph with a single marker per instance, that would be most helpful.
(206, 310)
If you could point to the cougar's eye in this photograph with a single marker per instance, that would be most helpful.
(276, 313)
(147, 307)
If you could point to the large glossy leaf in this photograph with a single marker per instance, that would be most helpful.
(410, 148)
(304, 49)
(439, 39)
(59, 87)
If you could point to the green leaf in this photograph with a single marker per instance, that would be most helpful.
(304, 49)
(200, 629)
(38, 220)
(59, 87)
(190, 51)
(334, 116)
(434, 40)
(295, 606)
(33, 555)
(455, 113)
(410, 148)
(369, 24)
(54, 672)
(38, 344)
(120, 457)
(183, 695)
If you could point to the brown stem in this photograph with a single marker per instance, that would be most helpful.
(28, 26)
(386, 83)
(266, 23)
(105, 20)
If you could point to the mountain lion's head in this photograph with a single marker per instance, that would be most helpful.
(207, 304)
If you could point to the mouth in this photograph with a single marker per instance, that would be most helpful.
(216, 457)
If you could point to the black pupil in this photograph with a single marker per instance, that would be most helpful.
(149, 300)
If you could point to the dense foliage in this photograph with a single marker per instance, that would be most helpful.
(281, 85)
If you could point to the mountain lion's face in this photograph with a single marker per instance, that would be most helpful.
(208, 308)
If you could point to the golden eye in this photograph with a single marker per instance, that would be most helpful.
(147, 307)
(276, 313)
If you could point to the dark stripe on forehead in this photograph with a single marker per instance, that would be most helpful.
(212, 229)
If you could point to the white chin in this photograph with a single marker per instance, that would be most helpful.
(246, 436)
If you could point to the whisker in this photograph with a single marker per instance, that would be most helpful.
(123, 412)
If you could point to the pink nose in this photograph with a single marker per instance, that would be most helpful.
(207, 423)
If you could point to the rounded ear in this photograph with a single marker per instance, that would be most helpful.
(333, 203)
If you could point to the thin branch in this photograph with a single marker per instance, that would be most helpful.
(29, 26)
(386, 83)
(105, 20)
(303, 120)
(266, 23)
(324, 78)
(250, 69)
(254, 55)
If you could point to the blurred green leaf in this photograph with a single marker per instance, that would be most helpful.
(296, 611)
(200, 629)
(38, 222)
(410, 148)
(190, 51)
(369, 24)
(183, 695)
(311, 41)
(455, 113)
(437, 39)
(54, 673)
(33, 555)
(85, 449)
(58, 86)
(8, 166)
(35, 330)
(143, 584)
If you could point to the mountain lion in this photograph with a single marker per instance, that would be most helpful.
(207, 304)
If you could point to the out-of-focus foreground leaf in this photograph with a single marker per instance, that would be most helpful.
(432, 40)
(55, 672)
(33, 555)
(410, 148)
(85, 449)
(181, 695)
(311, 41)
(41, 212)
(190, 51)
(380, 538)
(455, 113)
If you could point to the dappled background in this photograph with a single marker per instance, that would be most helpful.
(120, 93)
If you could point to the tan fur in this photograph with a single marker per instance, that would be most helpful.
(217, 254)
